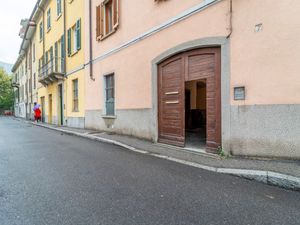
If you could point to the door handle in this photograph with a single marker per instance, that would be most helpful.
(172, 93)
(172, 102)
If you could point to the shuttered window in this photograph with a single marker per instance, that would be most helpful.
(56, 56)
(74, 38)
(62, 54)
(107, 18)
(78, 35)
(69, 42)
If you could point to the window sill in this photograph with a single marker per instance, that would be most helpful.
(58, 17)
(109, 116)
(74, 53)
(48, 30)
(101, 38)
(75, 111)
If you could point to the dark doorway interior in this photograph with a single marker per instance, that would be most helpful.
(195, 114)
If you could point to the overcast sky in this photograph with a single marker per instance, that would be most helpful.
(11, 13)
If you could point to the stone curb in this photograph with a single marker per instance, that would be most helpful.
(267, 177)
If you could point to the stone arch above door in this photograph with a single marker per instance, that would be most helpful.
(221, 42)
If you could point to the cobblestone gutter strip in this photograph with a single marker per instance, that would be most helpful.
(268, 177)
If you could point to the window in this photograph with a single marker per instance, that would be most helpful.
(51, 58)
(49, 19)
(34, 81)
(33, 52)
(75, 95)
(107, 18)
(41, 31)
(62, 53)
(74, 38)
(58, 8)
(30, 84)
(110, 94)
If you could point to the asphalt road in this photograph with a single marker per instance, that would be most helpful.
(47, 178)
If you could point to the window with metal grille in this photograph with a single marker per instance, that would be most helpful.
(110, 94)
(75, 96)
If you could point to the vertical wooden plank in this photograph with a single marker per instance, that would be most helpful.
(115, 14)
(98, 21)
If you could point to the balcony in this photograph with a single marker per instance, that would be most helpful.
(52, 71)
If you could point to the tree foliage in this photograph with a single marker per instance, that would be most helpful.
(6, 91)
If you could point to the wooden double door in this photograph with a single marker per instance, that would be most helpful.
(172, 75)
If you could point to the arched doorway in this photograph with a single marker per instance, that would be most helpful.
(189, 99)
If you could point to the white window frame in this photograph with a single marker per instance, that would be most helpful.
(49, 19)
(41, 27)
(58, 8)
(74, 41)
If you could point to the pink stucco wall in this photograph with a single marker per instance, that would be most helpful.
(132, 66)
(265, 62)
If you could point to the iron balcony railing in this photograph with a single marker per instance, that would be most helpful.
(54, 66)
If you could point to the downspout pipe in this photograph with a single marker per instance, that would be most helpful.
(230, 19)
(43, 11)
(65, 67)
(91, 41)
(65, 39)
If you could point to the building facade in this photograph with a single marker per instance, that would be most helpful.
(206, 75)
(60, 54)
(197, 74)
(19, 83)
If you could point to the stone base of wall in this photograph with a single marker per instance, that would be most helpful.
(257, 130)
(134, 122)
(265, 131)
(77, 122)
(54, 120)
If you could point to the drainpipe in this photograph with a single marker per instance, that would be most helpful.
(27, 93)
(42, 9)
(30, 80)
(91, 41)
(65, 38)
(65, 64)
(230, 19)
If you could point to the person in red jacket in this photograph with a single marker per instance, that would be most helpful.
(37, 112)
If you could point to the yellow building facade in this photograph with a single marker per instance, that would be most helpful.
(60, 59)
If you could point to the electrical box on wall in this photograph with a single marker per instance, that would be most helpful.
(239, 93)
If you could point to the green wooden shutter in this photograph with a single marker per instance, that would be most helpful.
(69, 42)
(63, 53)
(63, 47)
(78, 30)
(56, 56)
(51, 53)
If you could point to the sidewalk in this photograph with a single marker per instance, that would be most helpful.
(283, 173)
